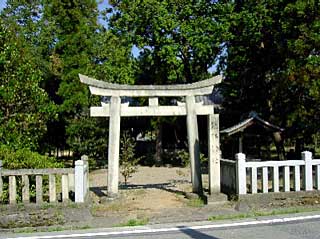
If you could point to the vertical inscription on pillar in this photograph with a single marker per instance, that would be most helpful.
(214, 153)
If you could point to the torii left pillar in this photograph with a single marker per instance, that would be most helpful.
(114, 145)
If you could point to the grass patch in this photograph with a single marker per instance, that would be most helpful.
(111, 207)
(49, 229)
(84, 227)
(260, 213)
(228, 216)
(134, 222)
(34, 229)
(195, 202)
(55, 229)
(25, 230)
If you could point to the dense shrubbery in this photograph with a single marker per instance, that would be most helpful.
(25, 158)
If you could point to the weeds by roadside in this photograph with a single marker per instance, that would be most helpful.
(195, 202)
(134, 222)
(260, 213)
(49, 229)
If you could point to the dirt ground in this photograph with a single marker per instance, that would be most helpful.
(161, 194)
(150, 188)
(152, 192)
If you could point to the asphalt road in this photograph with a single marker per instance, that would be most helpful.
(270, 228)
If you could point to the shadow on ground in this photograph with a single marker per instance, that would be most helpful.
(196, 234)
(169, 187)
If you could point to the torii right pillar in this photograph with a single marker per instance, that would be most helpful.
(214, 154)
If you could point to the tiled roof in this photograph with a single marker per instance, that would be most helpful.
(253, 118)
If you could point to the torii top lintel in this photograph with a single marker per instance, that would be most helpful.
(103, 88)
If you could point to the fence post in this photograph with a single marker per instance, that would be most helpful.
(39, 189)
(13, 190)
(79, 181)
(85, 159)
(307, 157)
(241, 173)
(71, 181)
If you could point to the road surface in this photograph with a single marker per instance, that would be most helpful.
(293, 227)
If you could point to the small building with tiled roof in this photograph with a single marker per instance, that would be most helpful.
(252, 121)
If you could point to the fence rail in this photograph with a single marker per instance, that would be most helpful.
(276, 176)
(21, 172)
(20, 182)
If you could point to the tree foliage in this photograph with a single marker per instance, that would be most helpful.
(58, 40)
(269, 52)
(272, 64)
(69, 42)
(179, 40)
(114, 61)
(25, 106)
(128, 159)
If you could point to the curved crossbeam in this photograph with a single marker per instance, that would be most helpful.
(103, 88)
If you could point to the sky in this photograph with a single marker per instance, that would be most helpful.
(2, 4)
(101, 3)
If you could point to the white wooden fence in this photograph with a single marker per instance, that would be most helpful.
(276, 176)
(72, 179)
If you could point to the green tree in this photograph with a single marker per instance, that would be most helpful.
(24, 17)
(65, 38)
(72, 43)
(272, 65)
(68, 38)
(24, 105)
(113, 58)
(178, 40)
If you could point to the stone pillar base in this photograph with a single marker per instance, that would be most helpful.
(217, 198)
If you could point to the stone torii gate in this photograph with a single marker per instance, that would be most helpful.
(115, 110)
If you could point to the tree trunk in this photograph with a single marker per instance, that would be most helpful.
(158, 155)
(298, 146)
(278, 140)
